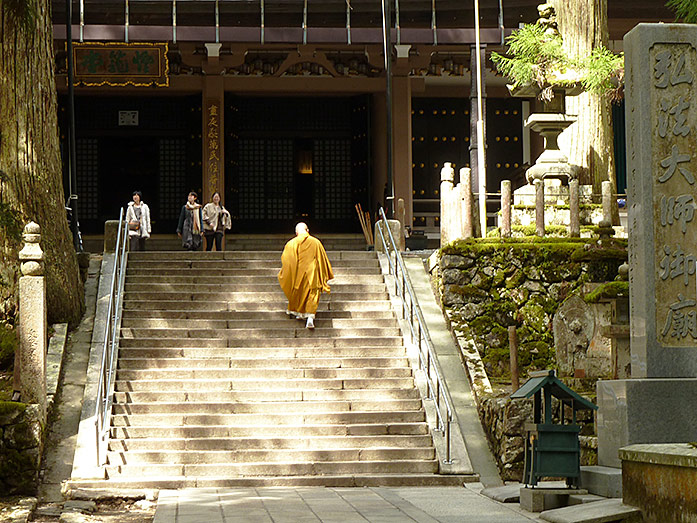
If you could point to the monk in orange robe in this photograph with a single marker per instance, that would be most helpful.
(305, 272)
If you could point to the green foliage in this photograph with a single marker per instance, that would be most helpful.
(609, 290)
(536, 55)
(604, 70)
(8, 345)
(684, 9)
(21, 12)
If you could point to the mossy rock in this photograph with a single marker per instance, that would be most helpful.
(502, 312)
(534, 316)
(516, 279)
(19, 471)
(470, 293)
(536, 354)
(10, 411)
(608, 291)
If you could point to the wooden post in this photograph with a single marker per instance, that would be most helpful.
(513, 349)
(539, 207)
(506, 209)
(574, 210)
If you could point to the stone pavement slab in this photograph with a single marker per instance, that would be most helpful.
(333, 505)
(597, 512)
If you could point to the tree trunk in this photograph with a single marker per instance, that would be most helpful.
(589, 142)
(30, 164)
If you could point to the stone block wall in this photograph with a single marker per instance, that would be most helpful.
(488, 285)
(504, 421)
(21, 446)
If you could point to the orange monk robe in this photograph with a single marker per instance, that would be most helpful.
(305, 271)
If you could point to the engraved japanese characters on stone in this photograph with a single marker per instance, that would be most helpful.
(670, 69)
(677, 209)
(673, 163)
(675, 114)
(680, 322)
(677, 263)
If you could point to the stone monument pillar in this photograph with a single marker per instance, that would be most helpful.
(32, 320)
(657, 404)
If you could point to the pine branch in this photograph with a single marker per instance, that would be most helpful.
(684, 9)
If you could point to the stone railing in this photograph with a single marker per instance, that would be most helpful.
(22, 425)
(538, 209)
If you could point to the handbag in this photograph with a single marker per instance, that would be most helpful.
(133, 225)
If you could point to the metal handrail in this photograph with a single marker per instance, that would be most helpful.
(111, 335)
(428, 361)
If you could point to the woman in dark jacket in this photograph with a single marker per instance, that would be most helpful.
(190, 219)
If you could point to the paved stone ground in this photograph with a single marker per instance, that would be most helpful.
(335, 505)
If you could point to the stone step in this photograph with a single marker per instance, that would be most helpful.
(265, 395)
(274, 469)
(268, 374)
(277, 443)
(275, 315)
(333, 255)
(324, 480)
(298, 457)
(244, 263)
(293, 329)
(277, 420)
(290, 406)
(261, 363)
(243, 278)
(280, 304)
(270, 272)
(267, 287)
(364, 351)
(275, 296)
(177, 383)
(294, 432)
(135, 322)
(235, 342)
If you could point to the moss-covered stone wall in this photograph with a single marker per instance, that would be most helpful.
(21, 445)
(488, 285)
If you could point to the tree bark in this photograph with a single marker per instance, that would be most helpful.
(30, 164)
(589, 142)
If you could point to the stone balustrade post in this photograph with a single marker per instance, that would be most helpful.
(401, 218)
(506, 209)
(467, 202)
(607, 201)
(574, 209)
(32, 320)
(447, 181)
(539, 207)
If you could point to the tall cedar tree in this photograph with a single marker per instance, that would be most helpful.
(589, 142)
(30, 163)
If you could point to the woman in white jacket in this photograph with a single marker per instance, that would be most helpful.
(216, 219)
(138, 219)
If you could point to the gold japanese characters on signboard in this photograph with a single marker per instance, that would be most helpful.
(212, 144)
(119, 64)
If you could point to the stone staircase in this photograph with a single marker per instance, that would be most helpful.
(216, 386)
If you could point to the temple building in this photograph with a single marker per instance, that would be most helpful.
(281, 105)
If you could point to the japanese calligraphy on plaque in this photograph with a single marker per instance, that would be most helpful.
(674, 115)
(212, 141)
(120, 64)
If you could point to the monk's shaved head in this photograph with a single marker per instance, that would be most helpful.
(301, 228)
